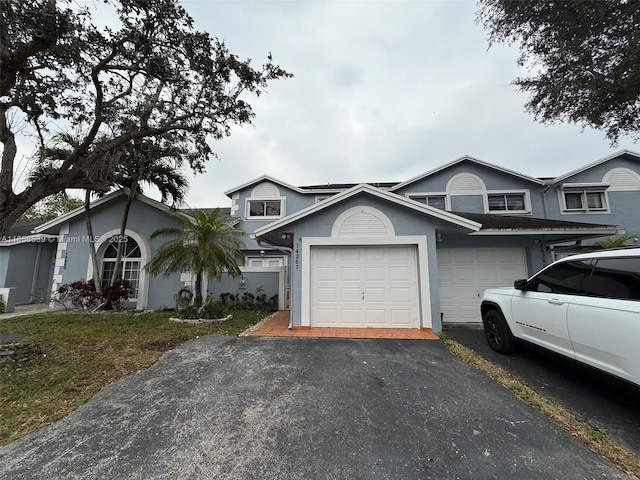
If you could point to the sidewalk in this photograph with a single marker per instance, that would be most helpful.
(277, 326)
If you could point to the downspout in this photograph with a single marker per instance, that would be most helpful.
(289, 251)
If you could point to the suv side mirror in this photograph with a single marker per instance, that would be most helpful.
(520, 284)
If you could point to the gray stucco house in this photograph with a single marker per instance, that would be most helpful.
(409, 254)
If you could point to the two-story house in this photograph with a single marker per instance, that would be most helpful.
(397, 254)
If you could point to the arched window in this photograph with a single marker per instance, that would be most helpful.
(131, 261)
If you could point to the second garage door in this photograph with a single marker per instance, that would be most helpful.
(364, 287)
(464, 274)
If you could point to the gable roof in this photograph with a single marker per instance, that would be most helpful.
(375, 192)
(263, 178)
(100, 201)
(467, 158)
(596, 163)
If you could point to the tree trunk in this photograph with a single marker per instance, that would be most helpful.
(92, 245)
(117, 272)
(198, 290)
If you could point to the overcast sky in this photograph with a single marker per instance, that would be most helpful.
(383, 91)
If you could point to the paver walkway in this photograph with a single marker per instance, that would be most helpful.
(278, 326)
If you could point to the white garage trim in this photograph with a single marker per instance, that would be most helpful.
(420, 242)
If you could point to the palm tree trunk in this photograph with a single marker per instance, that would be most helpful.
(117, 272)
(92, 245)
(198, 294)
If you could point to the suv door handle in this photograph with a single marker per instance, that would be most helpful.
(555, 301)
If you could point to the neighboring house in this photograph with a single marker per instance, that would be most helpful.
(412, 254)
(26, 265)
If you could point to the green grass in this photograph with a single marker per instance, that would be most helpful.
(82, 353)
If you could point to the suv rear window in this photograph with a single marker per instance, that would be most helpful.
(615, 278)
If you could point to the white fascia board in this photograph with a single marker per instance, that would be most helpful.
(376, 192)
(471, 159)
(549, 231)
(263, 178)
(595, 164)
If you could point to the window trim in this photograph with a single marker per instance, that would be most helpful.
(247, 210)
(524, 193)
(583, 190)
(447, 202)
(125, 261)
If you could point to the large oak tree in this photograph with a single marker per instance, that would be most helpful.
(151, 76)
(584, 59)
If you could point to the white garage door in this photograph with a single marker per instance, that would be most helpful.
(359, 287)
(464, 274)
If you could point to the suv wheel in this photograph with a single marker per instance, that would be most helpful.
(497, 332)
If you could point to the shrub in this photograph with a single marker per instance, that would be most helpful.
(2, 306)
(209, 310)
(250, 301)
(83, 295)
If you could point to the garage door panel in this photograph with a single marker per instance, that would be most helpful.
(350, 294)
(349, 274)
(403, 317)
(375, 295)
(371, 282)
(401, 295)
(375, 317)
(327, 317)
(464, 274)
(402, 274)
(327, 295)
(486, 273)
(374, 274)
(326, 274)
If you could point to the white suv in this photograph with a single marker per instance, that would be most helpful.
(586, 307)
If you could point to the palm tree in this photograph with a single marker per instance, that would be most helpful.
(609, 243)
(154, 164)
(207, 244)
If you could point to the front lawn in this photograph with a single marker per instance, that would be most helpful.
(83, 352)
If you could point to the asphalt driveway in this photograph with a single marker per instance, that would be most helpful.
(607, 403)
(295, 408)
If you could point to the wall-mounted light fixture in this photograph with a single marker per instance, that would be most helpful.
(262, 253)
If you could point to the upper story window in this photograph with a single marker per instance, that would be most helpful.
(512, 202)
(436, 200)
(265, 202)
(264, 208)
(584, 199)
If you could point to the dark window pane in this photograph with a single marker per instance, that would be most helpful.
(573, 201)
(256, 209)
(615, 278)
(497, 202)
(436, 202)
(595, 200)
(515, 201)
(272, 207)
(565, 277)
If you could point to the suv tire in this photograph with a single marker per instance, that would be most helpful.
(497, 332)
